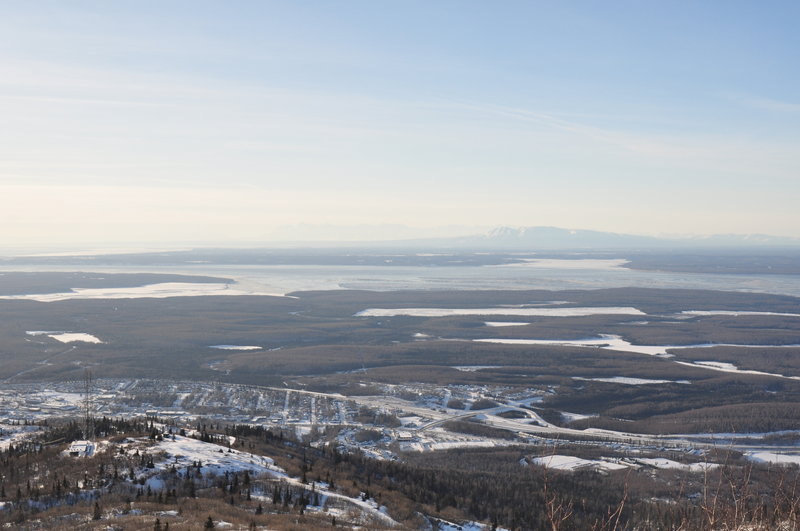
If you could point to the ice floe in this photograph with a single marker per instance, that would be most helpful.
(235, 347)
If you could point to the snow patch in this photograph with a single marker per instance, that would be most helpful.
(730, 367)
(736, 313)
(156, 291)
(615, 342)
(571, 463)
(183, 451)
(541, 312)
(572, 417)
(72, 337)
(608, 342)
(772, 457)
(661, 463)
(630, 381)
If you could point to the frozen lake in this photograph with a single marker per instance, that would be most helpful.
(589, 274)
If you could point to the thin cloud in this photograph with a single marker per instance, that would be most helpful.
(634, 143)
(773, 105)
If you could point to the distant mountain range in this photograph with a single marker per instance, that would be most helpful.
(531, 238)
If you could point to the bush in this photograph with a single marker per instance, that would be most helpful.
(368, 435)
(483, 403)
(455, 403)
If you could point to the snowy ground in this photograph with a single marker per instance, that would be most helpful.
(772, 457)
(217, 460)
(570, 463)
(14, 434)
(184, 451)
(662, 463)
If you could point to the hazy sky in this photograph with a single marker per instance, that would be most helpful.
(224, 121)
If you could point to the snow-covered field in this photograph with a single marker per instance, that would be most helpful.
(615, 342)
(570, 463)
(155, 291)
(658, 462)
(504, 323)
(736, 313)
(538, 311)
(630, 381)
(235, 347)
(772, 457)
(14, 434)
(65, 337)
(184, 451)
(730, 367)
(440, 439)
(608, 342)
(72, 337)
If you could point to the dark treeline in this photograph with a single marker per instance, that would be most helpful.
(496, 485)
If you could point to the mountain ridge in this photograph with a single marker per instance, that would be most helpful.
(547, 237)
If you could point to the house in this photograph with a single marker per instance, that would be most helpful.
(81, 449)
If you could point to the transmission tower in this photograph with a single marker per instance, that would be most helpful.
(88, 406)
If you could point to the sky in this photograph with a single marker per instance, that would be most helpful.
(133, 122)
